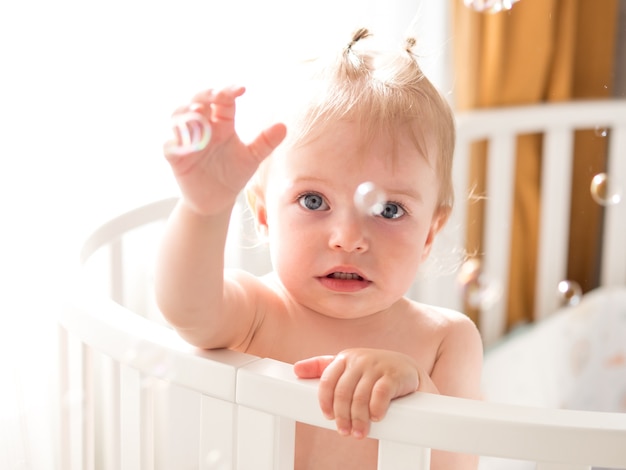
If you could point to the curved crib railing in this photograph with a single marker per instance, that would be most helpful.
(248, 406)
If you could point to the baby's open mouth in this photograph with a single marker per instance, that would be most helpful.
(345, 276)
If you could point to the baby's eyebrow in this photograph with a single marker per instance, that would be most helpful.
(410, 192)
(309, 179)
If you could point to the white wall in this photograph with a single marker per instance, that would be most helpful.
(86, 89)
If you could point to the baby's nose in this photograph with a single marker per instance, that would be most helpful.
(348, 234)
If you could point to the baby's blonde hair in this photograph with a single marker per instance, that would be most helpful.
(380, 92)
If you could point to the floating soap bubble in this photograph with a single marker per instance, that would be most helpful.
(214, 459)
(192, 133)
(213, 456)
(490, 6)
(604, 190)
(478, 291)
(570, 292)
(601, 131)
(369, 198)
(154, 363)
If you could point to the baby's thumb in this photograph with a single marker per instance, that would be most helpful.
(267, 141)
(313, 367)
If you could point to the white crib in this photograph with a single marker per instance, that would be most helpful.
(133, 395)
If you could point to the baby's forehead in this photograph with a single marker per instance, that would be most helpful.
(393, 141)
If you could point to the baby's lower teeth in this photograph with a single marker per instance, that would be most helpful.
(344, 276)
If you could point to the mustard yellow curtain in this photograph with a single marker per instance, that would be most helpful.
(541, 50)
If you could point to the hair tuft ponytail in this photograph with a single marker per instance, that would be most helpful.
(409, 45)
(358, 35)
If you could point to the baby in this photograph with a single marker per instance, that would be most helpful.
(334, 305)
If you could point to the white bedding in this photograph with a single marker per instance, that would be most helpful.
(576, 359)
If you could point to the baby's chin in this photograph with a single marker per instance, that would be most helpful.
(356, 311)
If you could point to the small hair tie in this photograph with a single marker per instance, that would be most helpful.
(359, 34)
(410, 44)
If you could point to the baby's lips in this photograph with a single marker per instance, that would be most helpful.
(345, 271)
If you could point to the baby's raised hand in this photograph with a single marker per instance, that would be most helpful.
(357, 385)
(211, 177)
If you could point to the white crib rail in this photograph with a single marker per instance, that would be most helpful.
(114, 362)
(266, 399)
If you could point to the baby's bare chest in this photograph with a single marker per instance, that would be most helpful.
(291, 341)
(323, 449)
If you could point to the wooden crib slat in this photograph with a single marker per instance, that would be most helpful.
(76, 402)
(116, 272)
(148, 427)
(217, 432)
(455, 230)
(78, 406)
(74, 406)
(497, 232)
(556, 190)
(108, 425)
(130, 419)
(63, 417)
(264, 441)
(398, 456)
(271, 386)
(89, 408)
(613, 270)
(460, 181)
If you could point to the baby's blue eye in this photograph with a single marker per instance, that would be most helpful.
(391, 210)
(313, 202)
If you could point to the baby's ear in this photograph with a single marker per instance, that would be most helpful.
(439, 220)
(256, 202)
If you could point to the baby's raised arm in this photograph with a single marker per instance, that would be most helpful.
(207, 310)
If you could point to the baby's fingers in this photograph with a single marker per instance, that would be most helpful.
(267, 141)
(360, 414)
(370, 402)
(383, 392)
(219, 105)
(313, 367)
(327, 392)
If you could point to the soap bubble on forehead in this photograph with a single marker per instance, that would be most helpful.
(369, 198)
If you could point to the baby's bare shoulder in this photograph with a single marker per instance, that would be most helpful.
(458, 358)
(439, 318)
(445, 326)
